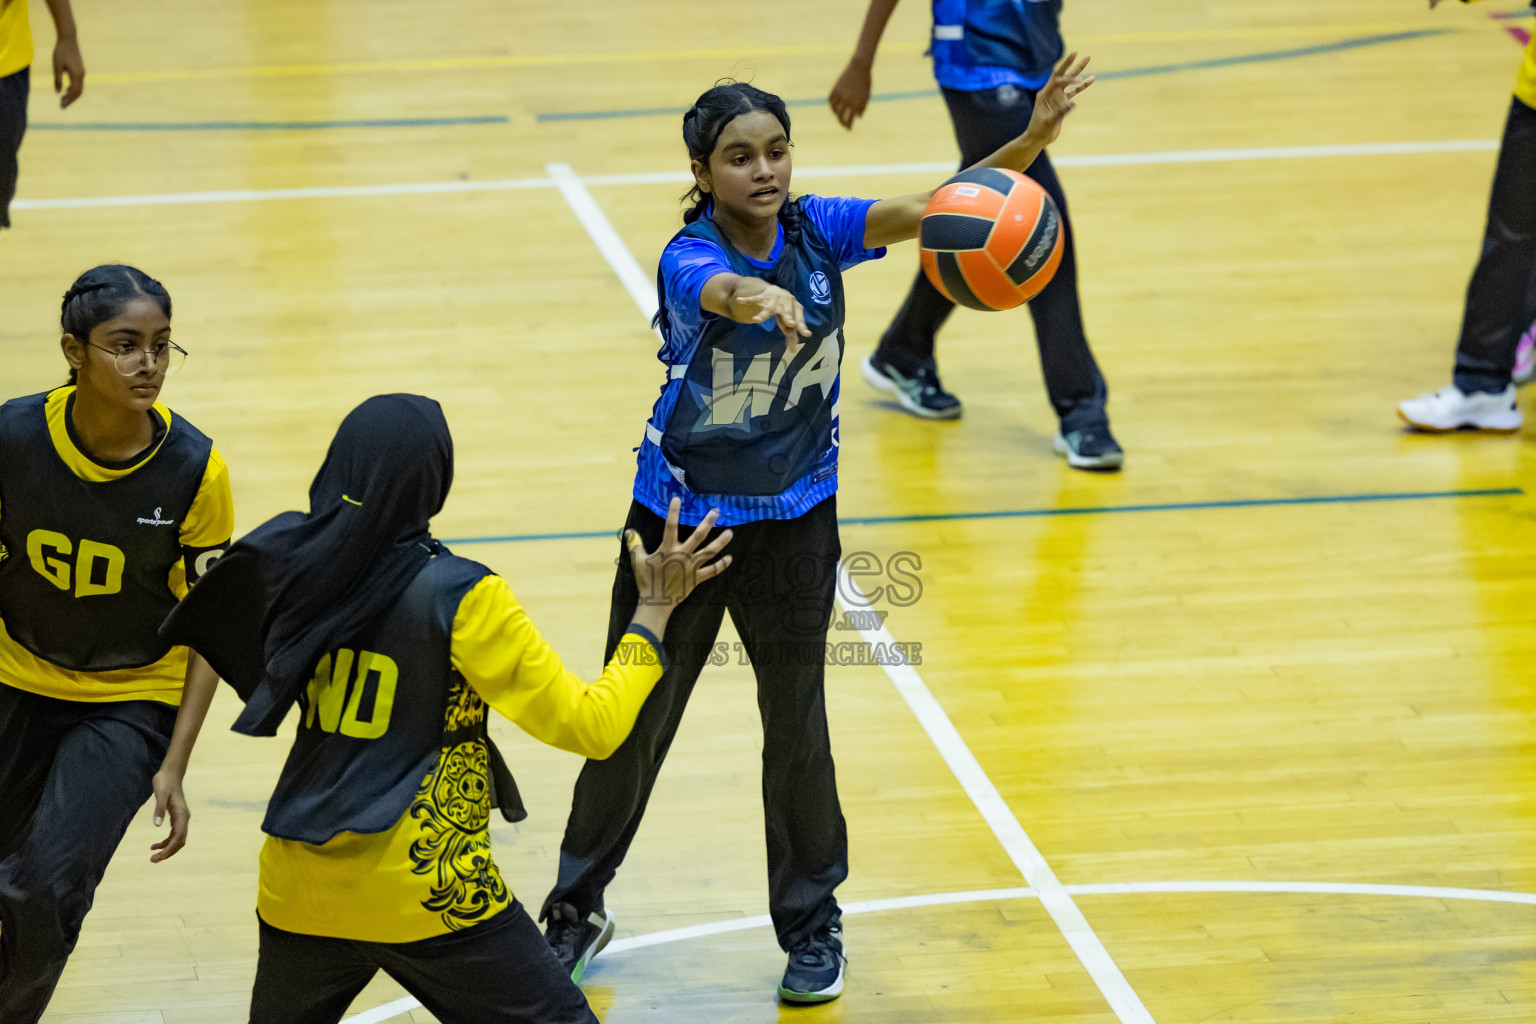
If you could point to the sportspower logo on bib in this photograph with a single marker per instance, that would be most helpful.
(821, 288)
(156, 521)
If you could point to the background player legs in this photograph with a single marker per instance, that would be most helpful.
(785, 636)
(306, 979)
(984, 121)
(99, 779)
(14, 90)
(611, 795)
(1496, 297)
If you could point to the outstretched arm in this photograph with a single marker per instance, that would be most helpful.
(896, 220)
(751, 300)
(851, 93)
(66, 53)
(501, 653)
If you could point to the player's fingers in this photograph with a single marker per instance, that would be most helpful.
(669, 534)
(714, 547)
(712, 570)
(791, 336)
(788, 313)
(159, 808)
(637, 553)
(694, 539)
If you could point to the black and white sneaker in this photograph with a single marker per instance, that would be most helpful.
(1090, 448)
(815, 971)
(574, 940)
(918, 392)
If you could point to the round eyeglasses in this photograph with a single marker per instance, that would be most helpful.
(167, 357)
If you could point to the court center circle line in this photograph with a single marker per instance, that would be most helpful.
(698, 931)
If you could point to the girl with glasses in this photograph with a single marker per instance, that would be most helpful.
(111, 506)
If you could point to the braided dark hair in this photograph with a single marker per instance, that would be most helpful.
(99, 295)
(702, 126)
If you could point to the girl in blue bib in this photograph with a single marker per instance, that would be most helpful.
(751, 311)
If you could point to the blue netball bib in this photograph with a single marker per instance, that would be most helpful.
(750, 418)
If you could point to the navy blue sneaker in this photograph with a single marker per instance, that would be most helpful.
(576, 940)
(815, 971)
(1090, 448)
(919, 391)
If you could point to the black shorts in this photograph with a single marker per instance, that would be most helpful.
(13, 125)
(500, 971)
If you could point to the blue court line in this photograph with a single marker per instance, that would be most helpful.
(1158, 69)
(256, 126)
(1088, 510)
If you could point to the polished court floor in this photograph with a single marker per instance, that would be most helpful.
(1244, 733)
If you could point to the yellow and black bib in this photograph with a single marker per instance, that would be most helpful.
(84, 583)
(379, 715)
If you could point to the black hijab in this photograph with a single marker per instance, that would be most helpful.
(301, 583)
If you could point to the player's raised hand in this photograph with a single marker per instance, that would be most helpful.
(850, 95)
(756, 306)
(1058, 98)
(665, 577)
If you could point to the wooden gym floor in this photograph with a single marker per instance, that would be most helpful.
(1252, 725)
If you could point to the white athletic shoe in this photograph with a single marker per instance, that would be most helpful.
(1450, 409)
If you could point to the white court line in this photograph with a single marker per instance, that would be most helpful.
(1095, 958)
(1191, 156)
(255, 195)
(400, 1006)
(742, 924)
(1043, 884)
(388, 1011)
(1000, 818)
(641, 287)
(1430, 892)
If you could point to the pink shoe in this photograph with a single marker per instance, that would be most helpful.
(1525, 357)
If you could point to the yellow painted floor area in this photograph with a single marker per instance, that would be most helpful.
(1318, 693)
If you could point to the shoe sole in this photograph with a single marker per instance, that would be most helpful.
(603, 938)
(884, 383)
(826, 995)
(1106, 462)
(1499, 423)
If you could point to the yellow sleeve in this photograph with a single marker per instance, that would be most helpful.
(498, 649)
(1525, 84)
(1525, 81)
(211, 520)
(15, 37)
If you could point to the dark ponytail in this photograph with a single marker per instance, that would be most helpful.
(99, 295)
(702, 125)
